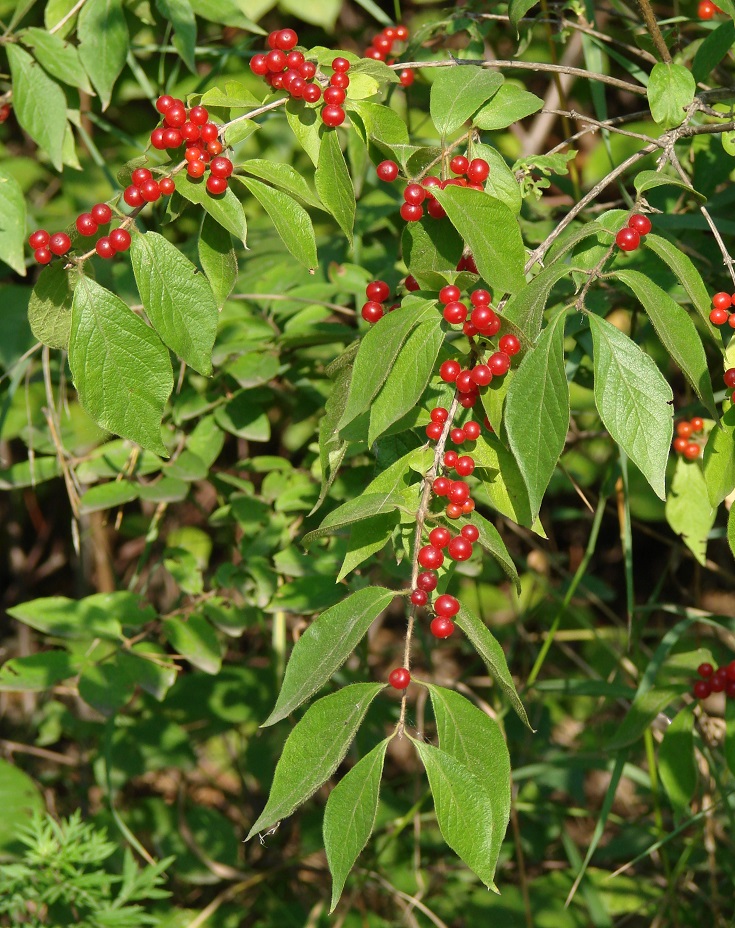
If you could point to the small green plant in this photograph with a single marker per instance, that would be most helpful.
(59, 879)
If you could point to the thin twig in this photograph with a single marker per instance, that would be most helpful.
(654, 31)
(65, 19)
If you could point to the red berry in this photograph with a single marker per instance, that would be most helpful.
(427, 581)
(411, 284)
(42, 255)
(729, 377)
(465, 383)
(167, 185)
(334, 95)
(163, 103)
(431, 557)
(172, 138)
(449, 294)
(472, 430)
(471, 532)
(730, 689)
(132, 196)
(198, 115)
(150, 191)
(175, 115)
(441, 627)
(59, 243)
(457, 436)
(436, 210)
(449, 371)
(271, 40)
(449, 459)
(480, 297)
(627, 239)
(468, 507)
(730, 670)
(706, 9)
(120, 239)
(718, 316)
(39, 239)
(104, 247)
(499, 363)
(286, 39)
(400, 677)
(718, 680)
(439, 414)
(434, 431)
(454, 511)
(697, 424)
(411, 213)
(642, 224)
(446, 606)
(705, 670)
(459, 492)
(340, 65)
(387, 171)
(441, 486)
(333, 115)
(140, 176)
(684, 429)
(464, 466)
(482, 316)
(259, 65)
(195, 169)
(460, 548)
(86, 225)
(214, 148)
(478, 170)
(275, 60)
(194, 153)
(377, 290)
(372, 311)
(482, 375)
(406, 77)
(509, 344)
(440, 536)
(313, 93)
(221, 167)
(101, 213)
(701, 689)
(419, 597)
(401, 32)
(158, 139)
(691, 452)
(679, 445)
(209, 132)
(459, 164)
(455, 313)
(722, 300)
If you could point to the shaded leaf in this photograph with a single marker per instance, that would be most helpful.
(38, 102)
(290, 219)
(103, 44)
(688, 510)
(218, 258)
(334, 185)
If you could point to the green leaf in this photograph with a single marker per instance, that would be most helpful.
(91, 617)
(492, 542)
(21, 799)
(526, 308)
(730, 530)
(283, 176)
(306, 126)
(106, 687)
(475, 740)
(49, 309)
(634, 401)
(505, 487)
(509, 104)
(537, 411)
(677, 765)
(217, 258)
(234, 95)
(103, 44)
(323, 13)
(253, 369)
(501, 182)
(431, 247)
(670, 91)
(120, 368)
(366, 538)
(688, 509)
(378, 351)
(196, 641)
(35, 673)
(491, 230)
(354, 510)
(349, 816)
(225, 209)
(677, 332)
(686, 272)
(463, 812)
(290, 219)
(517, 9)
(147, 666)
(457, 93)
(314, 750)
(325, 646)
(334, 185)
(644, 709)
(177, 299)
(29, 473)
(730, 730)
(13, 226)
(719, 458)
(711, 52)
(649, 180)
(56, 56)
(108, 496)
(408, 378)
(492, 654)
(39, 103)
(383, 126)
(181, 16)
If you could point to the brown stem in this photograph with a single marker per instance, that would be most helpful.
(653, 30)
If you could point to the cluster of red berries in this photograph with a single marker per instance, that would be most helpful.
(721, 314)
(107, 246)
(284, 68)
(474, 174)
(377, 292)
(445, 607)
(683, 443)
(382, 45)
(203, 151)
(5, 110)
(715, 681)
(629, 238)
(45, 245)
(707, 9)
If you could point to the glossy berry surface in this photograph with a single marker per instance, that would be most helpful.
(460, 548)
(441, 627)
(641, 223)
(377, 290)
(59, 243)
(387, 171)
(472, 430)
(701, 689)
(705, 670)
(120, 239)
(470, 532)
(729, 377)
(446, 606)
(39, 239)
(86, 225)
(430, 557)
(419, 597)
(440, 537)
(427, 580)
(627, 239)
(104, 247)
(399, 678)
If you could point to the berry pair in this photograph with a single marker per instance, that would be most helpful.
(476, 171)
(683, 443)
(377, 292)
(629, 238)
(445, 608)
(715, 681)
(146, 189)
(721, 303)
